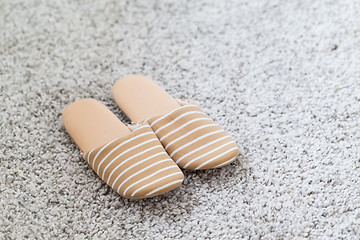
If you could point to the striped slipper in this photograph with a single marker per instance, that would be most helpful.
(188, 135)
(130, 159)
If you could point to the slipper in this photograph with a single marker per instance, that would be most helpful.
(188, 135)
(130, 159)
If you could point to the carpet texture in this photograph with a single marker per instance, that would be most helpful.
(283, 77)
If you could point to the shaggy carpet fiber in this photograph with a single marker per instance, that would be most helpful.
(282, 77)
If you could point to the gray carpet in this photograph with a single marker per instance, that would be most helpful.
(283, 77)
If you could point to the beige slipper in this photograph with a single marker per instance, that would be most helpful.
(188, 135)
(130, 159)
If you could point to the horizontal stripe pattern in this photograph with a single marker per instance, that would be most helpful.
(193, 140)
(135, 166)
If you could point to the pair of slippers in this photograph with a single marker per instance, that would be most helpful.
(142, 159)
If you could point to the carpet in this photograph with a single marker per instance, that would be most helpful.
(282, 77)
